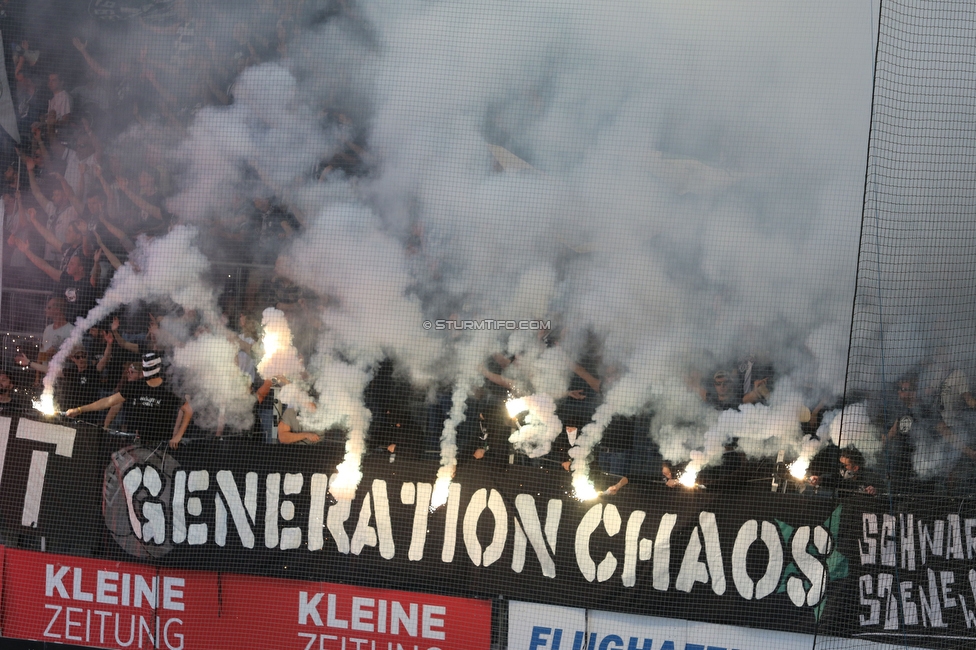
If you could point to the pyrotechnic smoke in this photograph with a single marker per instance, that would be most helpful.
(471, 353)
(542, 425)
(448, 461)
(757, 429)
(369, 313)
(680, 421)
(206, 369)
(169, 268)
(858, 431)
(341, 387)
(294, 395)
(685, 200)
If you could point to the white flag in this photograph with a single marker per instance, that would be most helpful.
(8, 114)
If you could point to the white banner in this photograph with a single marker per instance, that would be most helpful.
(544, 627)
(8, 115)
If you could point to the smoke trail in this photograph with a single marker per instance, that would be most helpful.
(448, 460)
(167, 268)
(341, 385)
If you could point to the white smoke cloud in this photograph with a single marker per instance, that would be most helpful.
(695, 193)
(268, 129)
(542, 425)
(858, 430)
(206, 369)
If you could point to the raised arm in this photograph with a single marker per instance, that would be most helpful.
(112, 204)
(24, 248)
(109, 255)
(165, 95)
(70, 193)
(140, 202)
(107, 354)
(96, 269)
(119, 234)
(495, 378)
(131, 347)
(92, 63)
(45, 232)
(32, 179)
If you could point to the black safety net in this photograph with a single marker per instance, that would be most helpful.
(399, 325)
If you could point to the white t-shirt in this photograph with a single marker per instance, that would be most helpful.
(60, 103)
(72, 172)
(951, 391)
(52, 338)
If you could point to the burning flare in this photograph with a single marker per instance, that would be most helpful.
(343, 487)
(516, 406)
(583, 489)
(688, 477)
(442, 489)
(798, 469)
(46, 404)
(272, 341)
(280, 356)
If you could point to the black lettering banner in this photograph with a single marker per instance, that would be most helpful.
(777, 561)
(915, 570)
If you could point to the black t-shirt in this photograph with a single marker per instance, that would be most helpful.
(79, 296)
(15, 406)
(619, 435)
(156, 200)
(67, 252)
(152, 411)
(78, 388)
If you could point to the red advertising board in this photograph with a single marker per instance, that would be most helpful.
(103, 604)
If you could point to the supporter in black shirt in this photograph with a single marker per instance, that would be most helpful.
(79, 383)
(616, 445)
(12, 401)
(155, 409)
(850, 476)
(723, 393)
(76, 287)
(156, 413)
(392, 427)
(74, 282)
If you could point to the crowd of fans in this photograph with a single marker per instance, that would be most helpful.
(77, 196)
(90, 177)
